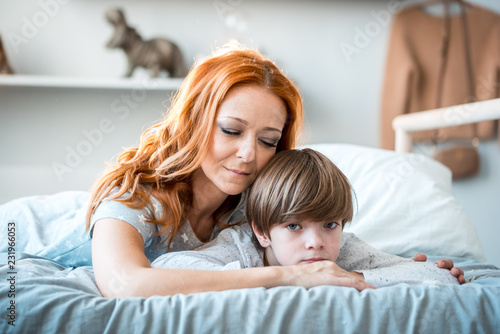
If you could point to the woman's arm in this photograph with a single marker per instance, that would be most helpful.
(122, 270)
(410, 273)
(382, 269)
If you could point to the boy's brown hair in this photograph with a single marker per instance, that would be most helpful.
(298, 185)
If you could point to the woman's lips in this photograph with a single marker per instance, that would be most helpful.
(238, 172)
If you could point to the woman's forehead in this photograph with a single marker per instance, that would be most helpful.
(250, 102)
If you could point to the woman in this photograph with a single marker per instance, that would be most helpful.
(185, 182)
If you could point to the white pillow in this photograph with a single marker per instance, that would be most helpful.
(405, 203)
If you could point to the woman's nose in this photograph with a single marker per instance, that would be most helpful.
(246, 151)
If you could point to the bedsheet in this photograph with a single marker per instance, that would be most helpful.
(47, 286)
(53, 298)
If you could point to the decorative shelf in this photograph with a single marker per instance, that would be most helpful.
(20, 80)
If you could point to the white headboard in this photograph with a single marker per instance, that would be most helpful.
(474, 112)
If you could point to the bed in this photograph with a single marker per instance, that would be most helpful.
(404, 205)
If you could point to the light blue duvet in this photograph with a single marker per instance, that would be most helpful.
(41, 295)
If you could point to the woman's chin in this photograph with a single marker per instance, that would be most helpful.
(234, 189)
(234, 192)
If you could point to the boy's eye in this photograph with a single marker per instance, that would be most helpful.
(293, 227)
(331, 225)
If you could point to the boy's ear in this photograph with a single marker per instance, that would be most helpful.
(264, 241)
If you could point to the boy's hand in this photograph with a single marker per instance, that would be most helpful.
(444, 264)
(325, 273)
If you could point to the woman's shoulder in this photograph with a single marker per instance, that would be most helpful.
(137, 217)
(122, 203)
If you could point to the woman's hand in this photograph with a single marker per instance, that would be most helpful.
(420, 257)
(444, 264)
(455, 271)
(324, 273)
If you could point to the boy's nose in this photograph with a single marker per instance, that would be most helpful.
(314, 241)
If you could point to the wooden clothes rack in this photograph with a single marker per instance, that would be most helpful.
(461, 114)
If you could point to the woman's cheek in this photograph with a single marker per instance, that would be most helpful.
(265, 160)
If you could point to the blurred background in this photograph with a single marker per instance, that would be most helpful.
(70, 114)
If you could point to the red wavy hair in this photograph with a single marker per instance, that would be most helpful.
(173, 149)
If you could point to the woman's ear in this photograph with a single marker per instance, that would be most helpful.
(264, 241)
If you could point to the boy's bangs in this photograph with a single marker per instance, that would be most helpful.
(322, 201)
(299, 185)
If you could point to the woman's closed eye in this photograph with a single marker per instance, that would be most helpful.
(230, 131)
(269, 142)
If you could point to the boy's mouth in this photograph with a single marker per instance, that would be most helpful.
(313, 259)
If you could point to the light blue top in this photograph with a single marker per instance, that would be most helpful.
(56, 226)
(154, 240)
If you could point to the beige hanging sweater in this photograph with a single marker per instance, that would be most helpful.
(412, 68)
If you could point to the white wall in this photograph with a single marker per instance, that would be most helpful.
(341, 94)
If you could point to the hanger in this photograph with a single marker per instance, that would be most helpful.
(428, 3)
(425, 3)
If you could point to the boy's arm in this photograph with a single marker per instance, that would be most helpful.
(355, 254)
(382, 269)
(231, 249)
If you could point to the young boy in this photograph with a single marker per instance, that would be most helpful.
(297, 209)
